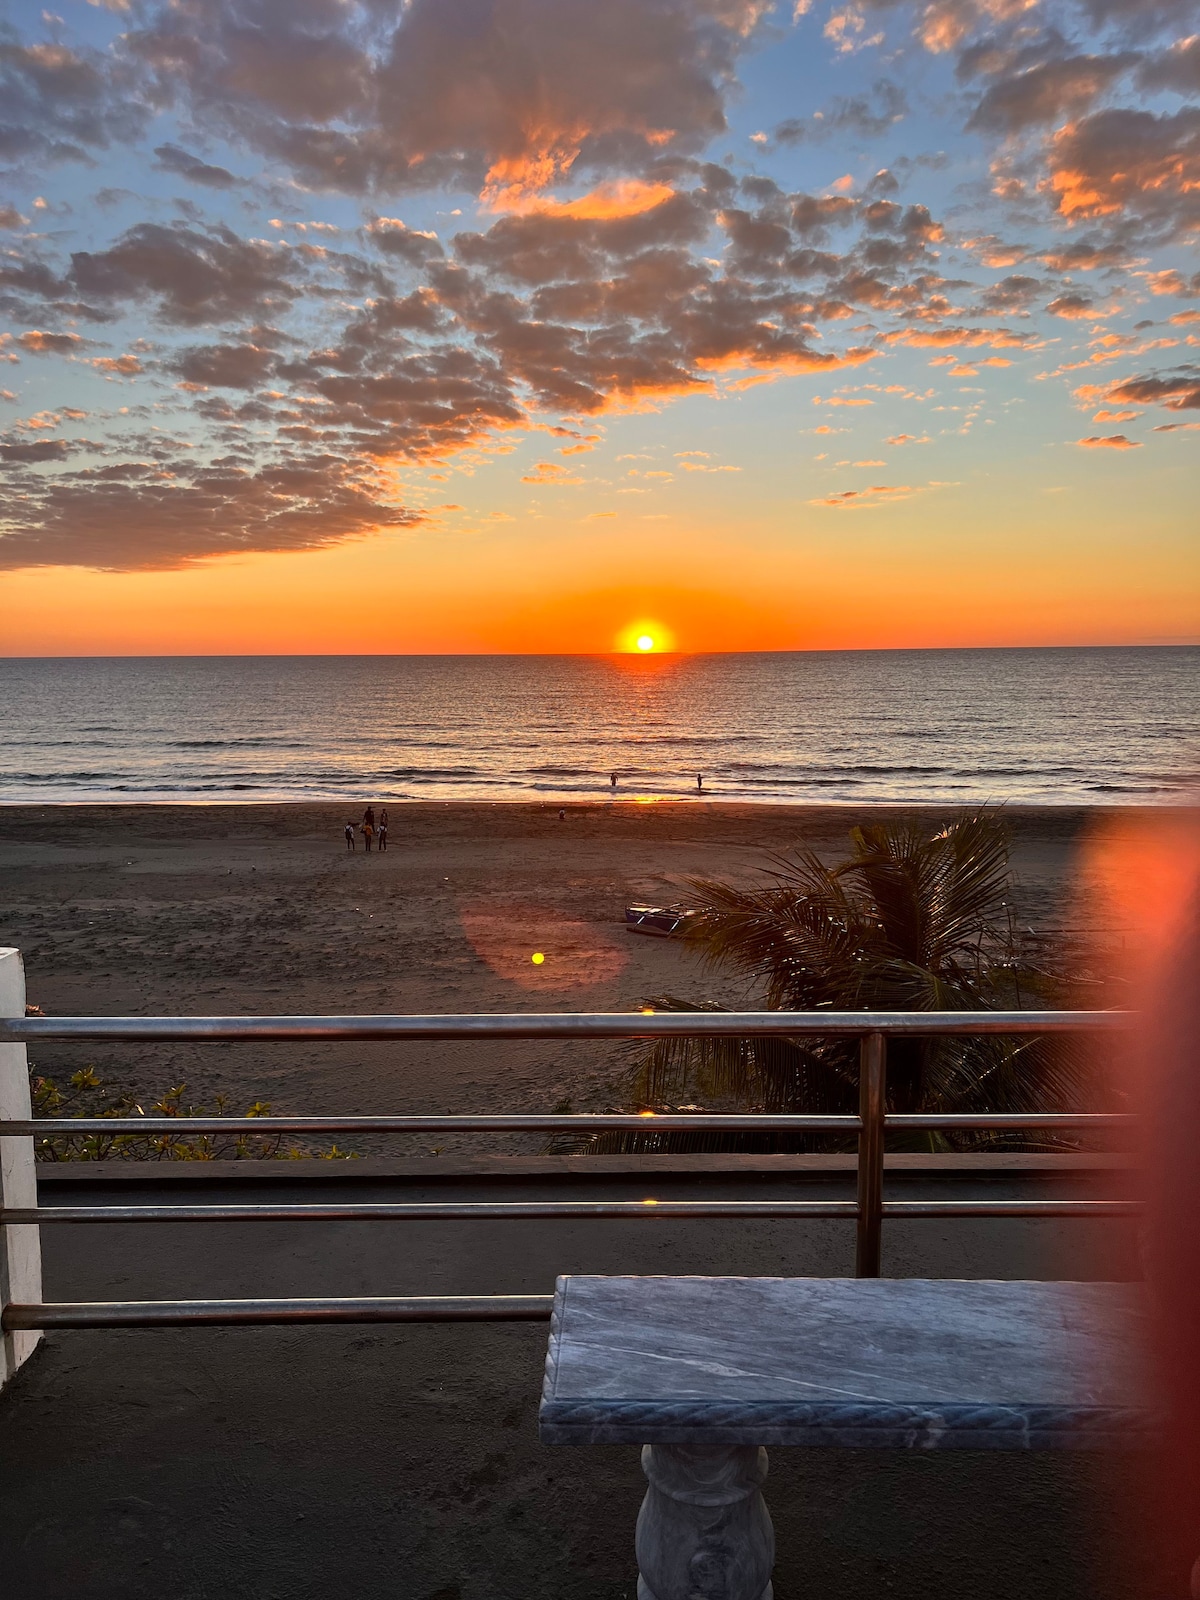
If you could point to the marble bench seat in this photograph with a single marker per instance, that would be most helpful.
(704, 1372)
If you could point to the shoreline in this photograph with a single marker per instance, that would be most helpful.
(606, 803)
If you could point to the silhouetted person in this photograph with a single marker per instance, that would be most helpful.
(382, 834)
(612, 780)
(349, 836)
(699, 783)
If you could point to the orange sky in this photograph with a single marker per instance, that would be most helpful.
(857, 585)
(517, 327)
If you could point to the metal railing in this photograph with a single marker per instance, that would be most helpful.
(868, 1210)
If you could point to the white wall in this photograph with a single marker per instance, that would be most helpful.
(20, 1247)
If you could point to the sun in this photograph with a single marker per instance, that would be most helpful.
(645, 636)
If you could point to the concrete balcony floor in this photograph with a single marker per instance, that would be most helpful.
(365, 1462)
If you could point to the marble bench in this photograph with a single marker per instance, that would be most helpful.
(702, 1373)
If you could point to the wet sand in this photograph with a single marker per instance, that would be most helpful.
(225, 909)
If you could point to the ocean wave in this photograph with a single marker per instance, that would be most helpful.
(1089, 727)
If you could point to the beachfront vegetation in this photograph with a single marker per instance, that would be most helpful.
(915, 919)
(86, 1095)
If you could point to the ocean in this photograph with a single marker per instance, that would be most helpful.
(1055, 726)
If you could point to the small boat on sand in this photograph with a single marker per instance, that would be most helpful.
(661, 921)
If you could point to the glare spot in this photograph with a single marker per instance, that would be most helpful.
(645, 642)
(537, 958)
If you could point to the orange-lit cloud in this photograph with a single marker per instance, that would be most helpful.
(626, 197)
(1112, 441)
(860, 499)
(550, 473)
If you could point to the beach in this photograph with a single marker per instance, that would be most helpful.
(261, 909)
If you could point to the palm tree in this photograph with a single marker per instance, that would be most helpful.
(914, 920)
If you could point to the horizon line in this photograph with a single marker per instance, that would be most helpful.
(583, 655)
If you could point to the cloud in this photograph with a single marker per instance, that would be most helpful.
(38, 342)
(854, 116)
(608, 265)
(1014, 293)
(860, 499)
(226, 366)
(1177, 392)
(60, 104)
(1074, 306)
(507, 97)
(195, 275)
(126, 366)
(1043, 93)
(1123, 162)
(1169, 281)
(552, 474)
(958, 337)
(1177, 68)
(36, 450)
(172, 159)
(1112, 441)
(413, 245)
(137, 515)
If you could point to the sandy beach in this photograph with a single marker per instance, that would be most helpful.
(226, 909)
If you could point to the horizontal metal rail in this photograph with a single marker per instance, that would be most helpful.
(436, 1211)
(559, 1025)
(624, 1122)
(271, 1313)
(872, 1029)
(966, 1122)
(563, 1210)
(1012, 1208)
(583, 1122)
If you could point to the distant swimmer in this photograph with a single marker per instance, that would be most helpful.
(349, 836)
(699, 783)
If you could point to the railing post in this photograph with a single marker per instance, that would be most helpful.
(20, 1245)
(872, 1086)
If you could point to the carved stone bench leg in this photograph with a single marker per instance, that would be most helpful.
(704, 1532)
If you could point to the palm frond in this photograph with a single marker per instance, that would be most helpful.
(914, 920)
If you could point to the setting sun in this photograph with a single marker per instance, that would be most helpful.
(645, 636)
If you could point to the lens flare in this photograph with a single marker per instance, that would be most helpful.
(537, 958)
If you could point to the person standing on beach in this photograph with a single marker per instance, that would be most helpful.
(382, 832)
(349, 836)
(612, 780)
(699, 783)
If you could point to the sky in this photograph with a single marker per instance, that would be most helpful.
(537, 325)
